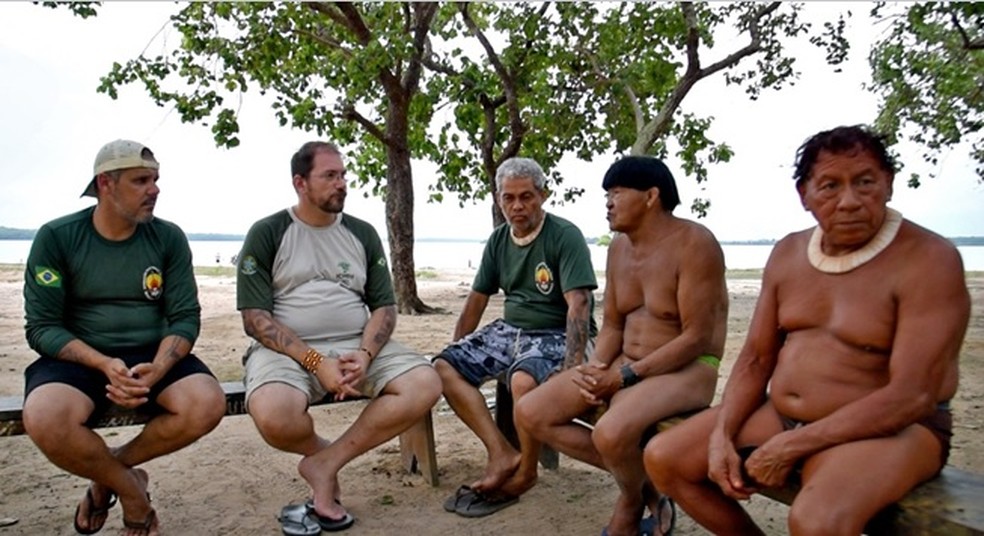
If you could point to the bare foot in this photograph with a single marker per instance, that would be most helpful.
(518, 484)
(497, 472)
(626, 516)
(139, 518)
(324, 487)
(148, 526)
(91, 513)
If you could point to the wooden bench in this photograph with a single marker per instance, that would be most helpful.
(951, 504)
(416, 444)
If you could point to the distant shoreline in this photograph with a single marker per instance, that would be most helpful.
(25, 234)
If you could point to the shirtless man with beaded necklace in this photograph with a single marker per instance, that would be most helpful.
(849, 364)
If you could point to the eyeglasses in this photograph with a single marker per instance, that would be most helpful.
(333, 175)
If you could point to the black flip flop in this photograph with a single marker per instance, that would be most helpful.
(94, 511)
(463, 495)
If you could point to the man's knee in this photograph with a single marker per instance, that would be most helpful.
(529, 415)
(810, 517)
(661, 462)
(198, 401)
(422, 386)
(446, 371)
(520, 383)
(278, 411)
(51, 411)
(611, 438)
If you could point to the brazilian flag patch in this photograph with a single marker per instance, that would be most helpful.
(48, 277)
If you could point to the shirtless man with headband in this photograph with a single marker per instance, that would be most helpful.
(849, 365)
(657, 355)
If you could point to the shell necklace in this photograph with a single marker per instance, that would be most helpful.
(845, 263)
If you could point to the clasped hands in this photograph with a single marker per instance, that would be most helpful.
(343, 376)
(741, 475)
(597, 381)
(129, 386)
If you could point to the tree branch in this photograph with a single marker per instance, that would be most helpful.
(349, 113)
(423, 16)
(969, 44)
(517, 128)
(753, 46)
(330, 43)
(661, 123)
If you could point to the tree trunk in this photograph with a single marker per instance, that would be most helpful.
(399, 225)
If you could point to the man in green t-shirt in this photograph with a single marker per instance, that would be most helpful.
(112, 308)
(542, 264)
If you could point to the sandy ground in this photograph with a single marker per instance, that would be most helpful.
(230, 482)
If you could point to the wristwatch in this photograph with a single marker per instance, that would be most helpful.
(629, 377)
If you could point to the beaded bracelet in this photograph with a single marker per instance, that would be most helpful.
(312, 360)
(366, 350)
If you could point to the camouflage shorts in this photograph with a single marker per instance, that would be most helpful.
(499, 349)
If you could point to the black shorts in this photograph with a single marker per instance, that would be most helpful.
(93, 383)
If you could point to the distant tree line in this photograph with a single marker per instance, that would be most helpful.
(9, 233)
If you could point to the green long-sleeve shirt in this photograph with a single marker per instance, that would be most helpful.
(134, 292)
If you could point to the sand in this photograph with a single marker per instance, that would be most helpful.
(231, 482)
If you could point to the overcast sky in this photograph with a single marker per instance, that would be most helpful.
(53, 122)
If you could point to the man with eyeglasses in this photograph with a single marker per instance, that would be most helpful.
(315, 293)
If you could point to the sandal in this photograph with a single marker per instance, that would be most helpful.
(144, 526)
(94, 511)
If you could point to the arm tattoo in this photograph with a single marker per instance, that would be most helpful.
(67, 353)
(173, 352)
(576, 340)
(261, 326)
(386, 325)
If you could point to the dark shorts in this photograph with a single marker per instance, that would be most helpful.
(940, 424)
(498, 350)
(93, 383)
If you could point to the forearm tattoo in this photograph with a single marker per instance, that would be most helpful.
(261, 326)
(386, 326)
(174, 352)
(69, 353)
(576, 340)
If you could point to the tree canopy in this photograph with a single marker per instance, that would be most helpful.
(928, 71)
(468, 85)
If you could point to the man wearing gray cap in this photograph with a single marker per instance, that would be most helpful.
(112, 308)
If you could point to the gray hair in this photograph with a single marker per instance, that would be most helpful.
(520, 168)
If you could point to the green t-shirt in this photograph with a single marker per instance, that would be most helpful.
(535, 277)
(318, 281)
(110, 294)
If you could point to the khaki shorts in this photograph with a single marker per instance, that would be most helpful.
(264, 365)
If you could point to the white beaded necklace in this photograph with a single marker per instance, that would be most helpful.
(846, 263)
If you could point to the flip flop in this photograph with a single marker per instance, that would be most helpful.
(94, 511)
(650, 526)
(295, 521)
(145, 525)
(461, 496)
(326, 523)
(481, 504)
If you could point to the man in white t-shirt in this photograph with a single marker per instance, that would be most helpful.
(315, 293)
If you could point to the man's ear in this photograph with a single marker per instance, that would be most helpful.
(652, 198)
(299, 183)
(102, 179)
(801, 189)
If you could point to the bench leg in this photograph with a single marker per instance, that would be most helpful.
(417, 449)
(549, 458)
